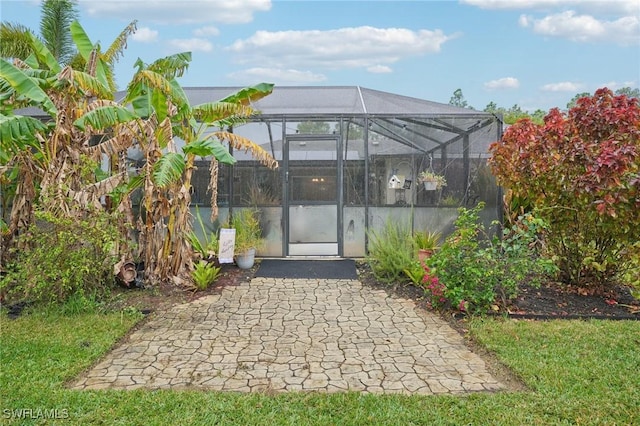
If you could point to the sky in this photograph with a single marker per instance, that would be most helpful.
(537, 54)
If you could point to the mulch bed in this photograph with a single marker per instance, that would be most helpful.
(554, 300)
(549, 301)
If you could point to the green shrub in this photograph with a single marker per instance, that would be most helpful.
(580, 171)
(204, 274)
(476, 270)
(63, 258)
(391, 251)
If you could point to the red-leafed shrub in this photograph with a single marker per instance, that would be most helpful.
(581, 172)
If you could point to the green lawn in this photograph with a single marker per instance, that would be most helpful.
(579, 373)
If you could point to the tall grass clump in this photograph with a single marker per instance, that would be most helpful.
(392, 250)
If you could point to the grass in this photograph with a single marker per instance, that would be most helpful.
(578, 372)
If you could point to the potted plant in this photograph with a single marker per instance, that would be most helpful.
(246, 222)
(427, 242)
(432, 181)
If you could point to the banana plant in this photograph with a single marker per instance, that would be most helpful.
(155, 112)
(45, 162)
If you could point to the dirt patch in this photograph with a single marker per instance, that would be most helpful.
(162, 296)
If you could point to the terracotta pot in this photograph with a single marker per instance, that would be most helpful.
(424, 254)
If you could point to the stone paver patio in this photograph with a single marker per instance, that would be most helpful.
(277, 335)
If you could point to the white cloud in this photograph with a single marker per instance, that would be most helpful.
(615, 85)
(191, 45)
(616, 21)
(145, 35)
(178, 12)
(358, 47)
(277, 76)
(206, 31)
(380, 69)
(586, 28)
(502, 83)
(617, 7)
(564, 86)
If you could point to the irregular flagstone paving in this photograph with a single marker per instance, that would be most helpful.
(276, 335)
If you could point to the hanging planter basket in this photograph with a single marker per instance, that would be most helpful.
(430, 185)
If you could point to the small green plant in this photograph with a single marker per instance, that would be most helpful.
(246, 222)
(206, 247)
(415, 272)
(204, 274)
(391, 251)
(427, 240)
(477, 270)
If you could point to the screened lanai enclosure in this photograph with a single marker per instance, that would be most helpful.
(349, 160)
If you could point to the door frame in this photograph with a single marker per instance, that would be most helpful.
(286, 191)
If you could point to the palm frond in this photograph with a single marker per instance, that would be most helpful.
(246, 145)
(57, 16)
(15, 41)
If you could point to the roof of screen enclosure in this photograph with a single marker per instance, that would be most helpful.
(420, 125)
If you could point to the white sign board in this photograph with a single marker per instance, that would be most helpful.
(226, 245)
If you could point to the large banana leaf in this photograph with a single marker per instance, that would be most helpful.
(104, 117)
(85, 47)
(114, 51)
(89, 84)
(148, 92)
(26, 87)
(250, 94)
(206, 147)
(164, 133)
(242, 143)
(43, 54)
(168, 169)
(222, 113)
(171, 66)
(18, 133)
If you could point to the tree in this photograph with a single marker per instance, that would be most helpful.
(580, 171)
(515, 113)
(458, 100)
(57, 16)
(629, 92)
(572, 103)
(313, 128)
